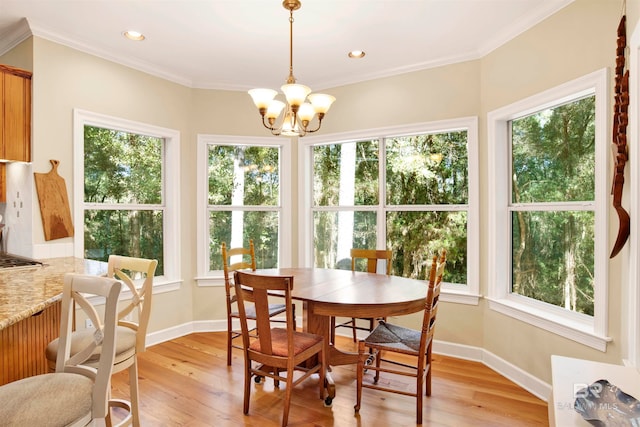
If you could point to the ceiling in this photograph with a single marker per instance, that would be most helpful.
(241, 44)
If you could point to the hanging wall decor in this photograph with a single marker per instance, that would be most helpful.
(54, 203)
(620, 153)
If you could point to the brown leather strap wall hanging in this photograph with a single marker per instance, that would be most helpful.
(620, 121)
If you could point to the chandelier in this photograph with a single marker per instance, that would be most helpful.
(298, 113)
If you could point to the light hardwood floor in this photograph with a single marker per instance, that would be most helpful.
(186, 382)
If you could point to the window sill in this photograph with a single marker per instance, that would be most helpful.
(163, 284)
(209, 281)
(459, 297)
(563, 326)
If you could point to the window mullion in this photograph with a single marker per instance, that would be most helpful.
(382, 191)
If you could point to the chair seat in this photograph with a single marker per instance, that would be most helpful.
(251, 311)
(125, 345)
(396, 337)
(58, 399)
(301, 342)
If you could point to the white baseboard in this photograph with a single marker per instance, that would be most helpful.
(533, 385)
(189, 328)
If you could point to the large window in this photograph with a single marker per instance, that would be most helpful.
(549, 209)
(411, 190)
(241, 196)
(124, 205)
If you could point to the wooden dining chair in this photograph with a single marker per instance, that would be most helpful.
(247, 261)
(131, 333)
(276, 351)
(75, 394)
(387, 337)
(371, 256)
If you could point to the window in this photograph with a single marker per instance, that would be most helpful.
(241, 197)
(124, 204)
(409, 189)
(549, 200)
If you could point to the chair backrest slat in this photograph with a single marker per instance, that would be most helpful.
(372, 256)
(129, 270)
(433, 296)
(250, 287)
(247, 262)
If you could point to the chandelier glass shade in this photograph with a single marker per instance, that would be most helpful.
(301, 105)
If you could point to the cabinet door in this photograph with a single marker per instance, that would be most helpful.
(3, 187)
(23, 344)
(16, 118)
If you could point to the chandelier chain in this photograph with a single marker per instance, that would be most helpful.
(301, 107)
(291, 78)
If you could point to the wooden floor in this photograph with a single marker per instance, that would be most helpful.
(186, 382)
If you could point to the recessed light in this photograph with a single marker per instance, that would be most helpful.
(133, 35)
(356, 54)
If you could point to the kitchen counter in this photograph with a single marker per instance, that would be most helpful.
(26, 291)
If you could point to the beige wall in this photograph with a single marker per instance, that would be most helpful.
(429, 95)
(576, 41)
(20, 56)
(65, 79)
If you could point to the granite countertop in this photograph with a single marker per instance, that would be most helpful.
(26, 291)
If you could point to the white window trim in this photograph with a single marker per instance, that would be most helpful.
(172, 278)
(216, 278)
(469, 294)
(632, 294)
(590, 331)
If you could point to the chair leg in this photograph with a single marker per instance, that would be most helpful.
(229, 339)
(247, 385)
(359, 375)
(287, 397)
(378, 362)
(293, 312)
(323, 372)
(134, 394)
(419, 382)
(428, 376)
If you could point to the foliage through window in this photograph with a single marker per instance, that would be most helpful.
(123, 195)
(243, 201)
(409, 194)
(552, 205)
(548, 200)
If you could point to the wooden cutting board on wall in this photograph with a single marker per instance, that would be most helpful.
(54, 203)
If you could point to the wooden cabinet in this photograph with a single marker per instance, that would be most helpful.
(3, 182)
(15, 114)
(15, 119)
(22, 345)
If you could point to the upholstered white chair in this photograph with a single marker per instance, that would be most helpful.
(131, 334)
(75, 394)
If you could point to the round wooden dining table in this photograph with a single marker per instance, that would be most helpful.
(345, 293)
